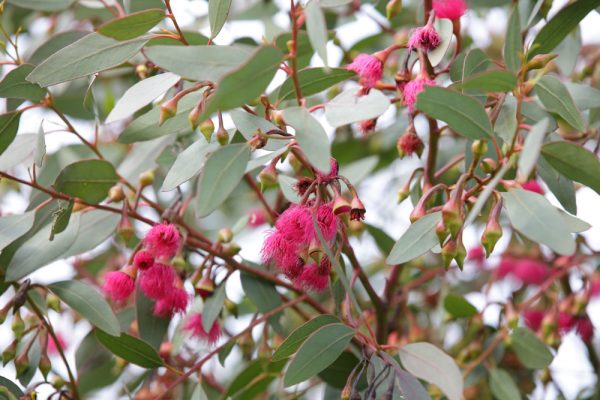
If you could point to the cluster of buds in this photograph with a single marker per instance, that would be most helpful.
(555, 323)
(158, 279)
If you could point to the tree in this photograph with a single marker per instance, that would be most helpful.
(169, 166)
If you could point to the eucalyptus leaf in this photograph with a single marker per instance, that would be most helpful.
(418, 239)
(350, 106)
(316, 28)
(218, 10)
(310, 136)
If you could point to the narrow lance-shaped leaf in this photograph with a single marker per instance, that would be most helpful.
(531, 149)
(212, 308)
(88, 55)
(349, 107)
(317, 28)
(574, 162)
(556, 99)
(299, 335)
(132, 25)
(311, 137)
(531, 351)
(130, 348)
(418, 239)
(9, 125)
(218, 10)
(513, 45)
(15, 86)
(89, 180)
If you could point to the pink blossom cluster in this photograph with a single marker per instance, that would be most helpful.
(158, 279)
(369, 69)
(527, 270)
(412, 90)
(451, 9)
(425, 37)
(565, 322)
(293, 246)
(194, 326)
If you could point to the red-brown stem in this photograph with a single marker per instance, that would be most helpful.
(294, 53)
(172, 17)
(261, 197)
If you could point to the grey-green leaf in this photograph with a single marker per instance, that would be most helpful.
(532, 214)
(574, 162)
(349, 107)
(188, 163)
(14, 226)
(141, 94)
(556, 99)
(89, 180)
(316, 28)
(503, 387)
(562, 187)
(223, 171)
(427, 362)
(218, 10)
(531, 351)
(531, 149)
(462, 113)
(321, 349)
(212, 307)
(513, 45)
(418, 239)
(130, 348)
(88, 55)
(84, 299)
(15, 86)
(311, 137)
(299, 335)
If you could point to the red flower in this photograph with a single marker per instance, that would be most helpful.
(451, 9)
(425, 37)
(194, 326)
(533, 319)
(163, 240)
(315, 277)
(256, 218)
(476, 254)
(368, 67)
(531, 272)
(118, 285)
(175, 301)
(533, 186)
(413, 88)
(584, 328)
(157, 281)
(143, 260)
(409, 143)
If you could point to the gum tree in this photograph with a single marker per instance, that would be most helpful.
(211, 197)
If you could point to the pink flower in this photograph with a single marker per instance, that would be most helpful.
(173, 302)
(143, 260)
(533, 319)
(52, 348)
(531, 272)
(409, 143)
(451, 9)
(595, 287)
(367, 126)
(283, 253)
(505, 267)
(327, 221)
(368, 67)
(476, 254)
(425, 37)
(413, 88)
(194, 326)
(585, 328)
(118, 285)
(256, 218)
(533, 186)
(295, 224)
(566, 322)
(315, 277)
(163, 240)
(157, 281)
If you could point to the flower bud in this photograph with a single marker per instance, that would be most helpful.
(22, 363)
(45, 365)
(539, 61)
(356, 228)
(53, 302)
(179, 263)
(207, 128)
(548, 325)
(488, 165)
(246, 343)
(225, 235)
(268, 176)
(449, 251)
(493, 231)
(231, 307)
(393, 8)
(341, 205)
(231, 249)
(10, 352)
(4, 311)
(146, 179)
(58, 383)
(357, 210)
(346, 392)
(452, 211)
(116, 194)
(194, 116)
(441, 232)
(479, 148)
(168, 109)
(205, 287)
(125, 229)
(277, 117)
(17, 325)
(403, 193)
(461, 253)
(141, 71)
(222, 137)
